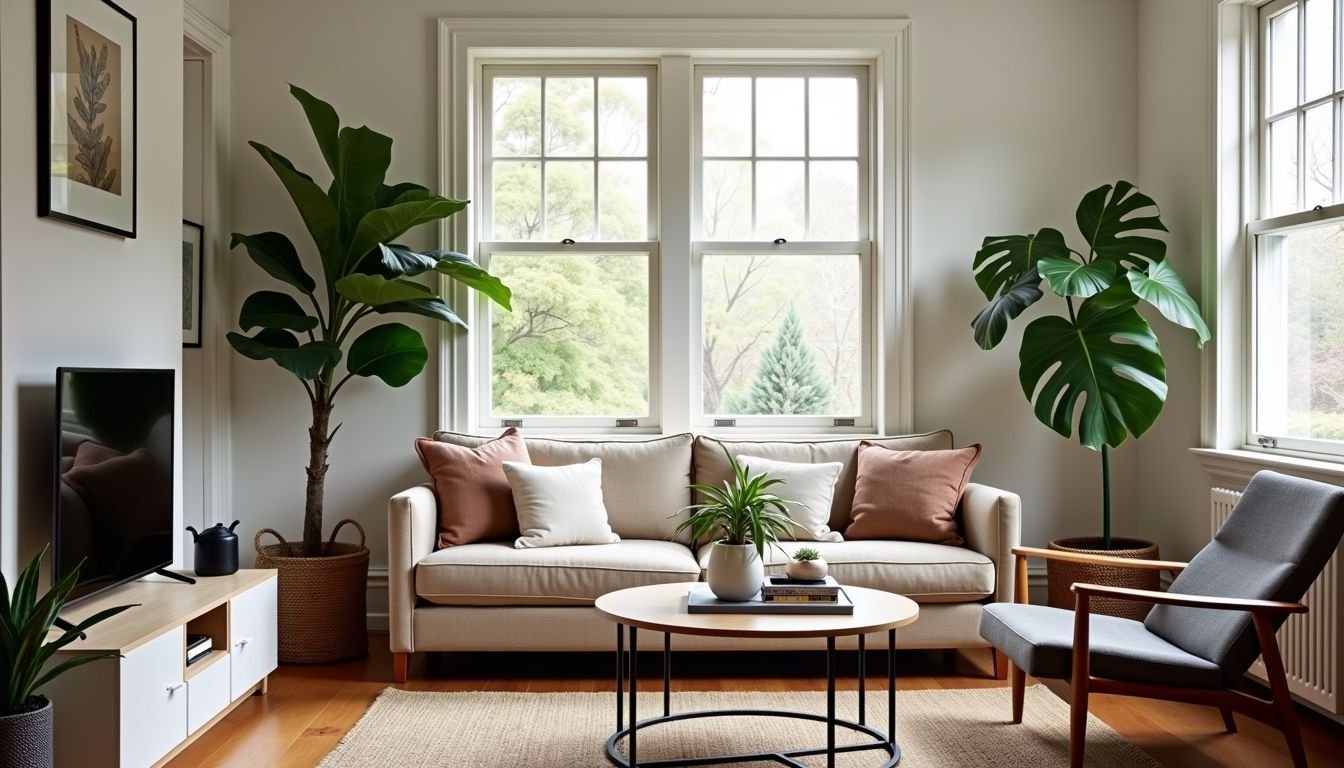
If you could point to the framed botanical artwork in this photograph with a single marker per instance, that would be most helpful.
(86, 106)
(193, 272)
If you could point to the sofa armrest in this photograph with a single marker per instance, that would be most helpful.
(992, 522)
(412, 528)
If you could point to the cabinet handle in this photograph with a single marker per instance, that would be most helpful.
(173, 688)
(243, 642)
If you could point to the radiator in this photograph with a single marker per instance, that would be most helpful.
(1309, 642)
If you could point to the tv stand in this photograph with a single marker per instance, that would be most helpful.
(174, 575)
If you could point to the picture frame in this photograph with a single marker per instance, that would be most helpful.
(87, 96)
(193, 282)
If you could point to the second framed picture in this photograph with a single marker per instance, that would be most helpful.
(193, 281)
(86, 103)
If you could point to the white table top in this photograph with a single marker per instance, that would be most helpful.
(662, 608)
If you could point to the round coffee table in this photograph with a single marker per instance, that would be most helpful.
(662, 608)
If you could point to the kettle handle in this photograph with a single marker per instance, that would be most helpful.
(234, 524)
(195, 535)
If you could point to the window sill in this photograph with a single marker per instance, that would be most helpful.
(1234, 468)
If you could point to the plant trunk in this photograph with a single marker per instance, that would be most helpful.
(1105, 497)
(319, 440)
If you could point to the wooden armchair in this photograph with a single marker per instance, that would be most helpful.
(1195, 646)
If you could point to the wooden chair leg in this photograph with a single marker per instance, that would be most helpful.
(997, 659)
(1278, 686)
(1019, 677)
(1082, 651)
(1228, 722)
(401, 667)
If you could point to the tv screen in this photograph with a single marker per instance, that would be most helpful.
(114, 475)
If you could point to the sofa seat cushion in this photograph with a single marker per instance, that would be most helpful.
(498, 574)
(923, 572)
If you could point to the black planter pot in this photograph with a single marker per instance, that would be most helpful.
(26, 738)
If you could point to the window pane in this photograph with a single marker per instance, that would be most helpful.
(623, 192)
(726, 212)
(516, 120)
(1283, 166)
(779, 116)
(1320, 156)
(1300, 334)
(516, 201)
(779, 200)
(781, 334)
(834, 200)
(569, 200)
(577, 341)
(569, 116)
(1320, 33)
(1283, 61)
(833, 119)
(623, 116)
(726, 117)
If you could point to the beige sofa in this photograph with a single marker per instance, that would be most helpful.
(493, 597)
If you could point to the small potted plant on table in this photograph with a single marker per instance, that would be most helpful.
(807, 565)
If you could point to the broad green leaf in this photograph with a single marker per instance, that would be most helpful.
(393, 352)
(275, 254)
(991, 323)
(400, 193)
(364, 155)
(1109, 359)
(1163, 288)
(324, 123)
(1109, 218)
(316, 209)
(431, 307)
(376, 290)
(305, 361)
(385, 225)
(396, 261)
(1070, 278)
(271, 309)
(467, 272)
(1003, 259)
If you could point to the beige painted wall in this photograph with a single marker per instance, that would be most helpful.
(1008, 132)
(73, 296)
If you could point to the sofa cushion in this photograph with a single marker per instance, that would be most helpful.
(499, 574)
(711, 466)
(475, 501)
(910, 495)
(807, 490)
(643, 481)
(559, 506)
(925, 573)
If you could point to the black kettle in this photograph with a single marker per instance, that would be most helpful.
(216, 550)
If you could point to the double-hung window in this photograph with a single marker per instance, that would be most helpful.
(1297, 240)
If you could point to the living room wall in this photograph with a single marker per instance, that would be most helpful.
(1008, 132)
(73, 296)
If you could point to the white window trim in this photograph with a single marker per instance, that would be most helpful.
(677, 45)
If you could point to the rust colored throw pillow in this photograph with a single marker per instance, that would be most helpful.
(910, 495)
(475, 501)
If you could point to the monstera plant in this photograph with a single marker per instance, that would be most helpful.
(329, 329)
(1097, 364)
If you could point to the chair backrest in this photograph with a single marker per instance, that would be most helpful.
(1272, 547)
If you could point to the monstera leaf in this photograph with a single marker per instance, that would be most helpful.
(1108, 359)
(1110, 216)
(1070, 278)
(992, 322)
(1003, 259)
(1163, 288)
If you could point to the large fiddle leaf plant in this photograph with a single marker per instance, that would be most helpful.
(1099, 366)
(317, 324)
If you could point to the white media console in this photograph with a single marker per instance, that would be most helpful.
(146, 707)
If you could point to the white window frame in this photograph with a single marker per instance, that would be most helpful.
(676, 46)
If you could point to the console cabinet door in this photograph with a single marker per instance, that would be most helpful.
(252, 636)
(153, 699)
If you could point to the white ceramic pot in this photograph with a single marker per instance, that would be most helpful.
(735, 571)
(807, 570)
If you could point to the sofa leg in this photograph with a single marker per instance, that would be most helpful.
(997, 661)
(401, 667)
(1019, 689)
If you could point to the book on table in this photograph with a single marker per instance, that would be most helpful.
(700, 599)
(786, 590)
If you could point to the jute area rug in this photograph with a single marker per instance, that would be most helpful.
(935, 729)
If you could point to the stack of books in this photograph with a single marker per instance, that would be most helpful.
(198, 647)
(782, 589)
(816, 597)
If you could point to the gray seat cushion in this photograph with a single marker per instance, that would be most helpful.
(1040, 641)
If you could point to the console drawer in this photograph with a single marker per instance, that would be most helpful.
(208, 693)
(252, 637)
(153, 699)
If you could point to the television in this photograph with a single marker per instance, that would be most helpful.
(113, 495)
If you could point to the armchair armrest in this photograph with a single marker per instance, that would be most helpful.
(1083, 557)
(412, 529)
(1189, 601)
(992, 522)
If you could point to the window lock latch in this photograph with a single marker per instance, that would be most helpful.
(1267, 442)
(567, 241)
(781, 241)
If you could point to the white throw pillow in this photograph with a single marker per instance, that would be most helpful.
(558, 506)
(807, 490)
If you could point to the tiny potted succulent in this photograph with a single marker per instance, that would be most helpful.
(741, 519)
(807, 565)
(25, 656)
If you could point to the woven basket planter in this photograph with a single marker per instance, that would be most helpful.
(26, 737)
(321, 599)
(1061, 575)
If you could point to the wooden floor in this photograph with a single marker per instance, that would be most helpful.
(308, 709)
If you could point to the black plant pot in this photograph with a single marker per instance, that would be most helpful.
(26, 737)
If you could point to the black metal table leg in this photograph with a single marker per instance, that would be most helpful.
(620, 677)
(634, 693)
(830, 702)
(862, 703)
(891, 687)
(667, 674)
